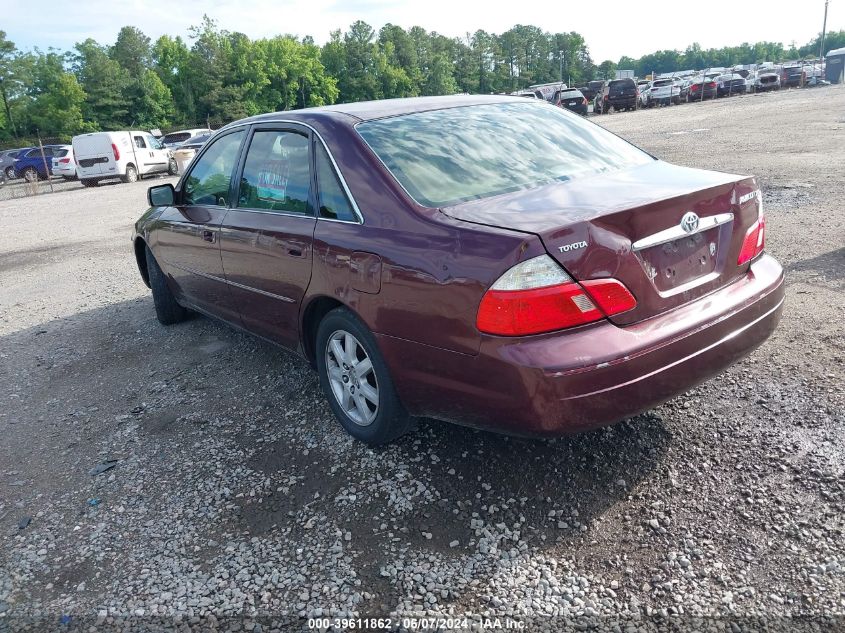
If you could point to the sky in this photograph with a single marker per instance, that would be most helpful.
(612, 28)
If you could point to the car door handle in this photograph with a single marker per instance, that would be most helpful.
(208, 236)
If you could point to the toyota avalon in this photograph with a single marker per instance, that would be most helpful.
(492, 261)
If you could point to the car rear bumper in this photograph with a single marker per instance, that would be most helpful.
(594, 375)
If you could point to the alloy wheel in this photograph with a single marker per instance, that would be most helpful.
(352, 377)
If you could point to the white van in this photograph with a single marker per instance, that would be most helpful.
(126, 155)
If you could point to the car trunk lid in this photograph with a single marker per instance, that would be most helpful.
(627, 225)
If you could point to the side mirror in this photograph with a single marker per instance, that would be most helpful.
(161, 195)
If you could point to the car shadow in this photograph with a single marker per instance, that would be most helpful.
(830, 265)
(178, 406)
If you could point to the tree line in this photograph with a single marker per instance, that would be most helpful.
(216, 76)
(694, 57)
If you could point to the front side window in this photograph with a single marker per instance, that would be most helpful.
(333, 201)
(277, 173)
(443, 157)
(210, 176)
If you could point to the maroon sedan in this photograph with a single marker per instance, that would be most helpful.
(491, 261)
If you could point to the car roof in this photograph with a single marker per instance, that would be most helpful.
(369, 110)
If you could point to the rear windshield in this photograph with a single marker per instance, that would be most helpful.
(621, 84)
(568, 94)
(176, 137)
(444, 157)
(661, 83)
(60, 152)
(198, 140)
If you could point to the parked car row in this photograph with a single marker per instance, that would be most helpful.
(98, 156)
(688, 86)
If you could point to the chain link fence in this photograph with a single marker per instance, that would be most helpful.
(23, 183)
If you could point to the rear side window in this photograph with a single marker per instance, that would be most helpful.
(333, 201)
(210, 176)
(277, 173)
(443, 157)
(139, 142)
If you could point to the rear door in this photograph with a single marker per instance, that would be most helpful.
(622, 90)
(266, 238)
(93, 152)
(187, 238)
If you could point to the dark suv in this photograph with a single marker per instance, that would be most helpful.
(618, 94)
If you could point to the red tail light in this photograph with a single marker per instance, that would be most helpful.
(605, 97)
(712, 84)
(611, 295)
(754, 242)
(584, 100)
(537, 296)
(115, 151)
(64, 161)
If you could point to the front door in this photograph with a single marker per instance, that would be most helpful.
(160, 156)
(266, 238)
(188, 244)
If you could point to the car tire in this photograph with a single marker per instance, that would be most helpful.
(30, 174)
(88, 182)
(172, 167)
(131, 174)
(168, 310)
(344, 343)
(10, 173)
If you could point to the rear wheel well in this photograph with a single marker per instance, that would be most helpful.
(314, 313)
(141, 259)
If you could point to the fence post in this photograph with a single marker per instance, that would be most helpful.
(46, 168)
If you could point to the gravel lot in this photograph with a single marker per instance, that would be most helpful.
(233, 499)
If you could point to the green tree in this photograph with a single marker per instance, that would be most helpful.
(155, 106)
(132, 51)
(9, 84)
(606, 70)
(170, 61)
(57, 110)
(440, 80)
(105, 84)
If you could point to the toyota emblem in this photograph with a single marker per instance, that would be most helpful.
(689, 223)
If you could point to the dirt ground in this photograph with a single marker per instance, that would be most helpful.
(231, 497)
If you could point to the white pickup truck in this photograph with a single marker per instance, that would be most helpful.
(663, 92)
